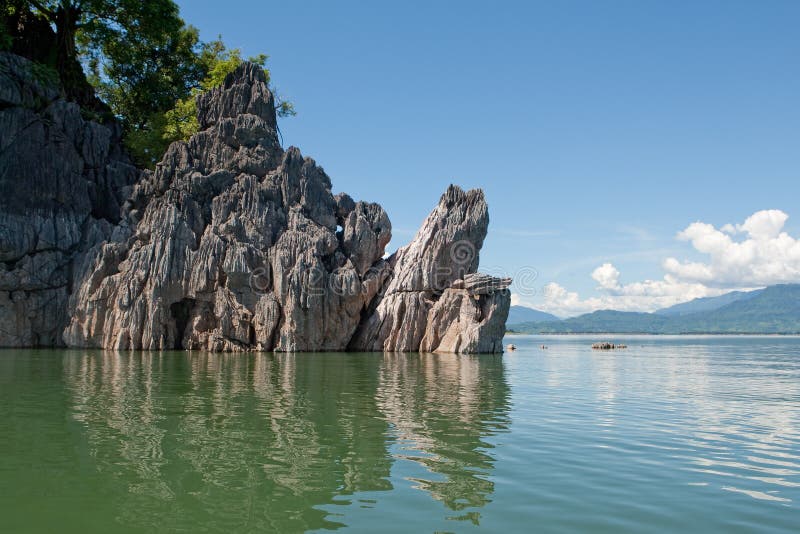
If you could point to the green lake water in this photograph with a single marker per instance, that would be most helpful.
(673, 434)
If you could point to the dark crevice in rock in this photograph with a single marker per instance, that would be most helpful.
(181, 312)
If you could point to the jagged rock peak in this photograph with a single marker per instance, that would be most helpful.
(427, 305)
(447, 245)
(455, 196)
(244, 92)
(247, 71)
(233, 244)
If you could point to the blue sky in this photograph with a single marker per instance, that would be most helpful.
(599, 130)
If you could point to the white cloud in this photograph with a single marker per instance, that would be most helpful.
(649, 295)
(765, 224)
(753, 254)
(607, 276)
(766, 255)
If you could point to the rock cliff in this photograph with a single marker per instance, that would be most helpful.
(231, 244)
(63, 180)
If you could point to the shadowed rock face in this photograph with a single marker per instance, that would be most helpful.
(62, 182)
(234, 244)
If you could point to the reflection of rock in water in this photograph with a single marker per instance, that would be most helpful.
(231, 442)
(442, 407)
(264, 442)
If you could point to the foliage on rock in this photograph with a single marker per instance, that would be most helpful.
(144, 62)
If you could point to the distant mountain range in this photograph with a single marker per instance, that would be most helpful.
(708, 303)
(773, 310)
(522, 314)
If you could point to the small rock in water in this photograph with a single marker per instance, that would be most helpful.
(608, 346)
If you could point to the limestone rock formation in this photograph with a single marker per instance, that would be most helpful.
(434, 301)
(232, 243)
(62, 182)
(470, 316)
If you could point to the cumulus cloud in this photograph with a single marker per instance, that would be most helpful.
(649, 295)
(765, 254)
(607, 276)
(755, 253)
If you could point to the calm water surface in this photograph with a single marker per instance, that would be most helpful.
(672, 434)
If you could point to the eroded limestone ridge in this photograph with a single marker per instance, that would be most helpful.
(234, 244)
(434, 301)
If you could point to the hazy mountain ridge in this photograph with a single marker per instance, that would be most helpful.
(773, 310)
(705, 304)
(523, 314)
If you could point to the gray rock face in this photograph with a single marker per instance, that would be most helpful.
(62, 182)
(464, 320)
(231, 244)
(434, 301)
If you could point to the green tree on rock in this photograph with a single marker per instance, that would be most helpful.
(218, 61)
(141, 59)
(143, 48)
(215, 61)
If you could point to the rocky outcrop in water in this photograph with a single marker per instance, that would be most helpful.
(235, 244)
(232, 244)
(434, 301)
(62, 182)
(470, 317)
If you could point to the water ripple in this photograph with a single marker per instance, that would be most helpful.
(673, 434)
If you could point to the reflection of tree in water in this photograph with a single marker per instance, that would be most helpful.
(231, 441)
(441, 407)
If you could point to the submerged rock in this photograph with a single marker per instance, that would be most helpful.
(235, 244)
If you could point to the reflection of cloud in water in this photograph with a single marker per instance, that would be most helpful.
(724, 411)
(745, 448)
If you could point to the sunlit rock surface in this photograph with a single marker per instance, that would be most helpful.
(231, 244)
(427, 304)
